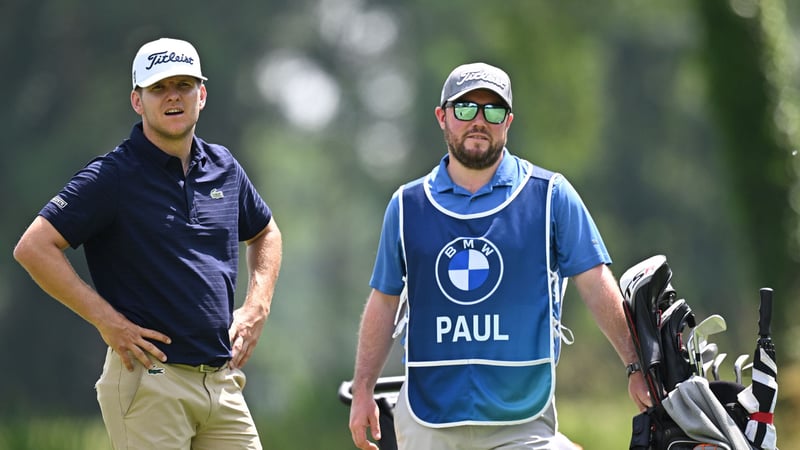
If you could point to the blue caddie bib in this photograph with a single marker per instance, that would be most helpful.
(481, 343)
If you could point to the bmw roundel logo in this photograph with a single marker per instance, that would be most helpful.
(468, 270)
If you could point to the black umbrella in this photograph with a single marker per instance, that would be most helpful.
(759, 398)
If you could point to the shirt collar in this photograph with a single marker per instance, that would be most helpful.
(155, 154)
(504, 176)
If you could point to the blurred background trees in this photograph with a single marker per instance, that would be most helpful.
(677, 121)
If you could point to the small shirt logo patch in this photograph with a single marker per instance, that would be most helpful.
(155, 370)
(216, 194)
(60, 202)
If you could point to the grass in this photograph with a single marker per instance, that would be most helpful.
(597, 422)
(603, 422)
(53, 434)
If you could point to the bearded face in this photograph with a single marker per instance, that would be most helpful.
(476, 147)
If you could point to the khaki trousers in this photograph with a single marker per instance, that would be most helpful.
(174, 407)
(538, 434)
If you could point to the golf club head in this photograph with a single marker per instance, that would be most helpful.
(712, 324)
(737, 367)
(640, 272)
(715, 366)
(708, 351)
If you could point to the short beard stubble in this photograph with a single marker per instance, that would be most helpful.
(470, 159)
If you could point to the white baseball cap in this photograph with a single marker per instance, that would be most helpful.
(165, 58)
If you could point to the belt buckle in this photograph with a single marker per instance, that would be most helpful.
(205, 368)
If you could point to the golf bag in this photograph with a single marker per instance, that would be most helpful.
(688, 412)
(386, 391)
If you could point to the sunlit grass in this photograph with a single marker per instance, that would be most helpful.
(597, 421)
(53, 434)
(595, 424)
(603, 422)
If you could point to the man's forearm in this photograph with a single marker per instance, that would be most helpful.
(374, 341)
(599, 291)
(40, 253)
(264, 257)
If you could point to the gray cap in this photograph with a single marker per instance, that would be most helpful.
(469, 77)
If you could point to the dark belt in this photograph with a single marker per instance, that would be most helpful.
(204, 368)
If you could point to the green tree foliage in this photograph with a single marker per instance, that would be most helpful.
(749, 70)
(675, 121)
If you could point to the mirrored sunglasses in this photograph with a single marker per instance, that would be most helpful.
(466, 111)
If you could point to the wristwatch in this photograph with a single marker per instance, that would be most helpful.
(633, 368)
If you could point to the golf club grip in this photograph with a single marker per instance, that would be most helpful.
(765, 312)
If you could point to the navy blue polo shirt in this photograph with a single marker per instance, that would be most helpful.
(162, 247)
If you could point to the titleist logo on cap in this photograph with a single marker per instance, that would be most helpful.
(482, 75)
(164, 58)
(167, 57)
(469, 77)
